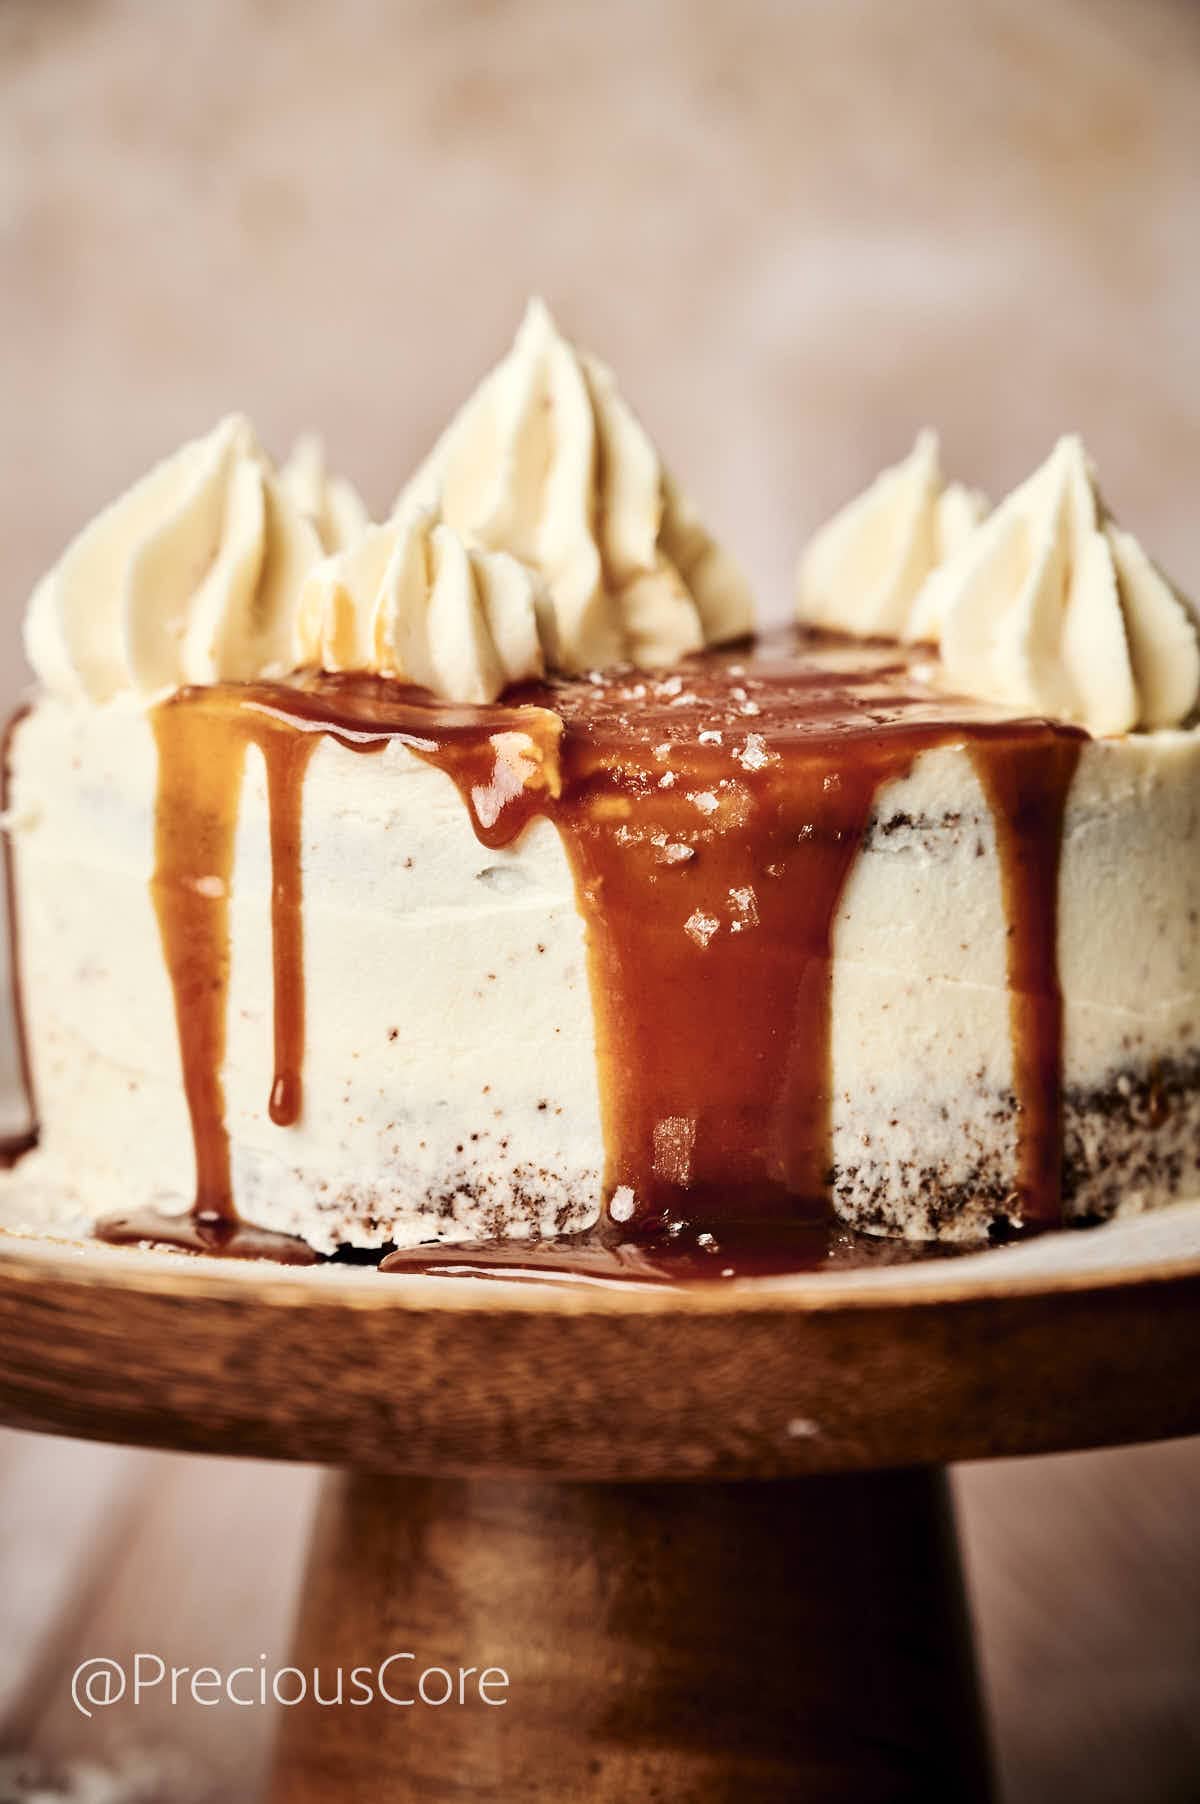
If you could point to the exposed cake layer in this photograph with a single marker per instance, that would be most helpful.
(451, 1084)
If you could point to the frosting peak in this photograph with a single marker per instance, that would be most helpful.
(1050, 606)
(548, 463)
(191, 576)
(411, 600)
(333, 504)
(864, 570)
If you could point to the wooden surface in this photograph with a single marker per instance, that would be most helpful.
(701, 1644)
(912, 1365)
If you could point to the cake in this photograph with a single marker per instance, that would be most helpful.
(478, 876)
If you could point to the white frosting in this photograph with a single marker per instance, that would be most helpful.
(411, 600)
(192, 576)
(864, 570)
(1050, 606)
(332, 503)
(451, 1085)
(547, 462)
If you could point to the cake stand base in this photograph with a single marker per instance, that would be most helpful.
(700, 1527)
(804, 1639)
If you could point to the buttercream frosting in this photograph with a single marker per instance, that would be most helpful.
(1051, 606)
(331, 502)
(412, 600)
(191, 576)
(863, 571)
(546, 461)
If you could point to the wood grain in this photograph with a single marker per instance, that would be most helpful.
(426, 1376)
(690, 1643)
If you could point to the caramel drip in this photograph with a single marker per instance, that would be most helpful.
(199, 784)
(201, 769)
(287, 754)
(711, 980)
(712, 821)
(1027, 786)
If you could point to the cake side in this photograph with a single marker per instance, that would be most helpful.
(451, 1088)
(921, 1010)
(449, 1073)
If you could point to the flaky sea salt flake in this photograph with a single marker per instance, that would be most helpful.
(744, 903)
(701, 926)
(753, 755)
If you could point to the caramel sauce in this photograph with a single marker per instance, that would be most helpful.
(680, 1253)
(201, 767)
(1027, 786)
(712, 819)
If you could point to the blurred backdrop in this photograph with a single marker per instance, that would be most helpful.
(798, 231)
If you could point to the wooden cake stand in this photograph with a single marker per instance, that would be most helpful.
(704, 1532)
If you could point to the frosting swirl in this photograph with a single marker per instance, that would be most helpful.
(1050, 606)
(411, 600)
(547, 462)
(865, 569)
(332, 503)
(192, 576)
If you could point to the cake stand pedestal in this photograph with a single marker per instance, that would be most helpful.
(703, 1532)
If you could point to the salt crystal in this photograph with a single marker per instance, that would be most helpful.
(623, 1202)
(704, 800)
(701, 927)
(663, 750)
(749, 708)
(746, 904)
(710, 736)
(667, 780)
(676, 853)
(754, 754)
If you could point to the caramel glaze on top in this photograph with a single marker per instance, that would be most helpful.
(711, 818)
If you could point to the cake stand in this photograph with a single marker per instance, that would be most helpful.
(704, 1532)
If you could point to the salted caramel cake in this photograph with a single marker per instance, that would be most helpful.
(479, 875)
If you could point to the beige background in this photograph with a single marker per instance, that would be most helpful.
(799, 231)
